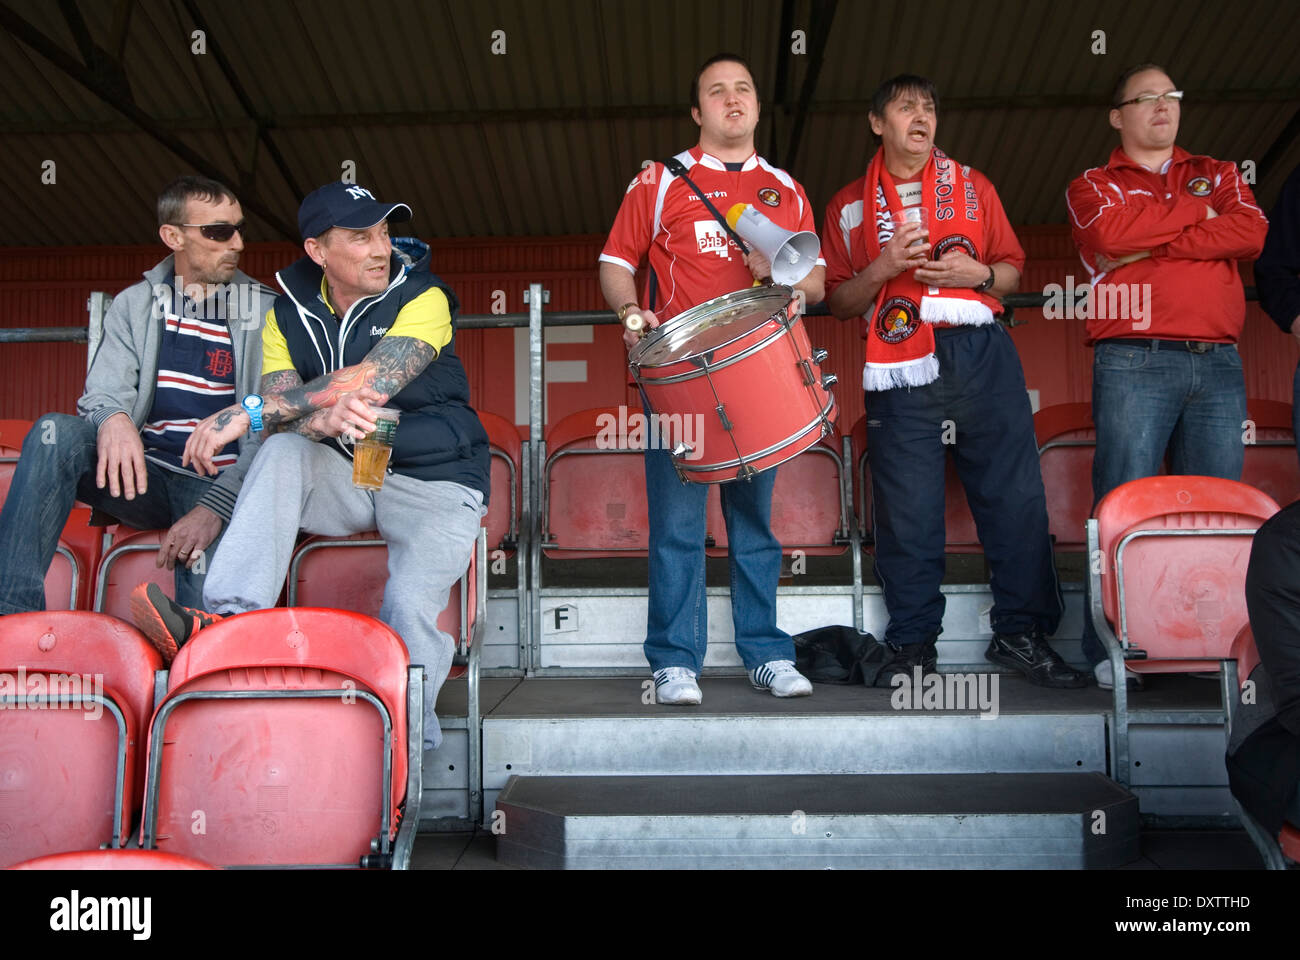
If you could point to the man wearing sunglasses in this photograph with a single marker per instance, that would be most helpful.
(1160, 231)
(176, 346)
(361, 323)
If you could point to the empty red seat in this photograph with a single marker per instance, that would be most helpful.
(70, 772)
(282, 740)
(131, 560)
(593, 489)
(1171, 577)
(960, 535)
(113, 860)
(1270, 462)
(1067, 441)
(12, 433)
(809, 510)
(506, 453)
(349, 573)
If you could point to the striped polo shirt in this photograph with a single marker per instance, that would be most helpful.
(196, 378)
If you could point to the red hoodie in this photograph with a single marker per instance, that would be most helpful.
(1195, 288)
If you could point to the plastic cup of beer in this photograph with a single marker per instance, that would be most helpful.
(914, 215)
(370, 454)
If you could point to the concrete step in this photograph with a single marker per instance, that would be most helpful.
(879, 821)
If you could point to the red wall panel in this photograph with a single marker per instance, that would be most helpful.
(586, 367)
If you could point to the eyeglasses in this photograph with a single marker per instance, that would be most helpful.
(218, 232)
(1173, 96)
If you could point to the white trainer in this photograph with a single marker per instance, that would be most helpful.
(781, 679)
(676, 685)
(1105, 677)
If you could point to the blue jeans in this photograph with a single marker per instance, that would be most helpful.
(979, 407)
(1144, 401)
(49, 478)
(677, 627)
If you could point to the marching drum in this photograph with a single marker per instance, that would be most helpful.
(740, 367)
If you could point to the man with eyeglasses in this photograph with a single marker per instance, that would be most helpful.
(176, 346)
(1160, 231)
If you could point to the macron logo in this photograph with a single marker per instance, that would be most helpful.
(378, 331)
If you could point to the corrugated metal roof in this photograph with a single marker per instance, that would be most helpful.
(542, 140)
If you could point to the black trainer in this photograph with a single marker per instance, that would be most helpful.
(905, 659)
(1030, 654)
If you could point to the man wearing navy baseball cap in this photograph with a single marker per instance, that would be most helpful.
(358, 326)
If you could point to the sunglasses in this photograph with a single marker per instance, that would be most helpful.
(218, 232)
(1173, 96)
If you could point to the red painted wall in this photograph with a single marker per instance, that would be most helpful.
(42, 286)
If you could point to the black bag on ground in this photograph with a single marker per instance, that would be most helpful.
(839, 654)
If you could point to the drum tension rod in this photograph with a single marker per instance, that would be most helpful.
(808, 378)
(722, 415)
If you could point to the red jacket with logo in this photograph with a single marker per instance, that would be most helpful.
(1195, 290)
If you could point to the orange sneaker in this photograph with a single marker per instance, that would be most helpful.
(165, 622)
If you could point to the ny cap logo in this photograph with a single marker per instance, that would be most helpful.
(358, 193)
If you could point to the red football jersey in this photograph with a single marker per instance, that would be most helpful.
(691, 256)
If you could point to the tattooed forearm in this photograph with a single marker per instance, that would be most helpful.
(312, 427)
(397, 361)
(388, 368)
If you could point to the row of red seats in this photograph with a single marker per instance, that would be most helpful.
(595, 504)
(284, 737)
(94, 565)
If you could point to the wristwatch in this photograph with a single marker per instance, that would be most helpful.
(624, 310)
(988, 282)
(253, 407)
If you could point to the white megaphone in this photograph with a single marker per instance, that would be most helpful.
(792, 255)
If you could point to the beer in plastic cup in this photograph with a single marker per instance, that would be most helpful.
(914, 215)
(370, 454)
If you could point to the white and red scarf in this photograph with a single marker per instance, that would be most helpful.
(900, 341)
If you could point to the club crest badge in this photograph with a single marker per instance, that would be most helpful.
(955, 241)
(1199, 186)
(897, 320)
(770, 196)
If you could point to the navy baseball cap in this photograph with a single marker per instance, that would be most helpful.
(340, 204)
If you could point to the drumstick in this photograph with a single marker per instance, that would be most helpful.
(634, 322)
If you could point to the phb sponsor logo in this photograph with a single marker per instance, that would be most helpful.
(711, 238)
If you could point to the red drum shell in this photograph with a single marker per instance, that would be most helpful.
(763, 378)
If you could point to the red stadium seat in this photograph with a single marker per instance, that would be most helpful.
(12, 433)
(1169, 592)
(349, 573)
(810, 512)
(130, 561)
(71, 776)
(113, 860)
(1270, 462)
(594, 500)
(1067, 441)
(282, 740)
(506, 451)
(960, 535)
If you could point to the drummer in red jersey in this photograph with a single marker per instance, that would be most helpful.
(664, 224)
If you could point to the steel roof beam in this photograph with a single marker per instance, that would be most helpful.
(120, 100)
